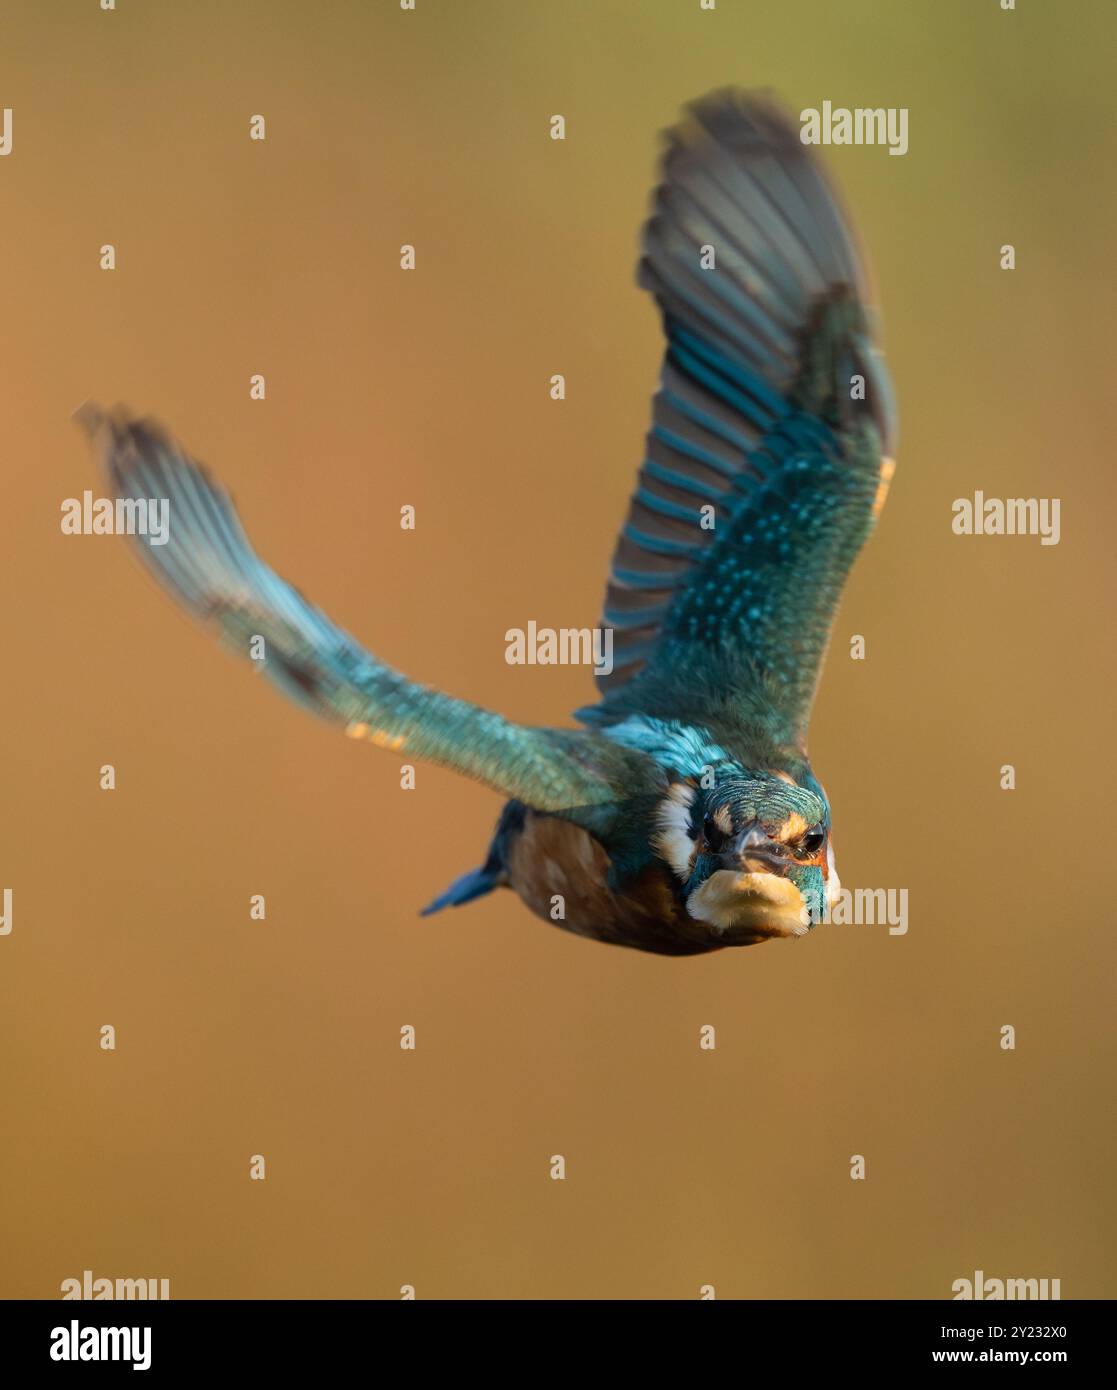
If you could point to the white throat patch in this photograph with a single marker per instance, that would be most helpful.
(763, 903)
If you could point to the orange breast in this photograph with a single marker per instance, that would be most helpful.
(561, 873)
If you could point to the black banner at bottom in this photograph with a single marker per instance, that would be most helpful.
(179, 1338)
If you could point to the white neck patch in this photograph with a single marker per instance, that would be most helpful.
(673, 840)
(833, 882)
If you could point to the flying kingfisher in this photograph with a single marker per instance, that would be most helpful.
(684, 815)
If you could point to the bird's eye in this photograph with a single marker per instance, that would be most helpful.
(812, 841)
(713, 834)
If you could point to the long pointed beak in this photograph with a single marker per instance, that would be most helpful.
(754, 851)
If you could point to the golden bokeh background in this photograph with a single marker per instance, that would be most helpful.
(235, 1037)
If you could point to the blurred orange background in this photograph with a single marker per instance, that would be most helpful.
(235, 1037)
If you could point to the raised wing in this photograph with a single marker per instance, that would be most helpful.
(765, 462)
(209, 566)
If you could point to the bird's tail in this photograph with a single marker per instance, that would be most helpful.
(474, 884)
(493, 873)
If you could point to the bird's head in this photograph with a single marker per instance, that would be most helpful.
(752, 854)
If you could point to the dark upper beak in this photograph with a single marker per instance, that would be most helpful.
(754, 851)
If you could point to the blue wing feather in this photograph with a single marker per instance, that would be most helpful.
(754, 419)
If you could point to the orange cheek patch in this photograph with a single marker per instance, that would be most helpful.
(792, 828)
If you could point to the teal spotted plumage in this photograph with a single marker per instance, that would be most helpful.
(684, 815)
